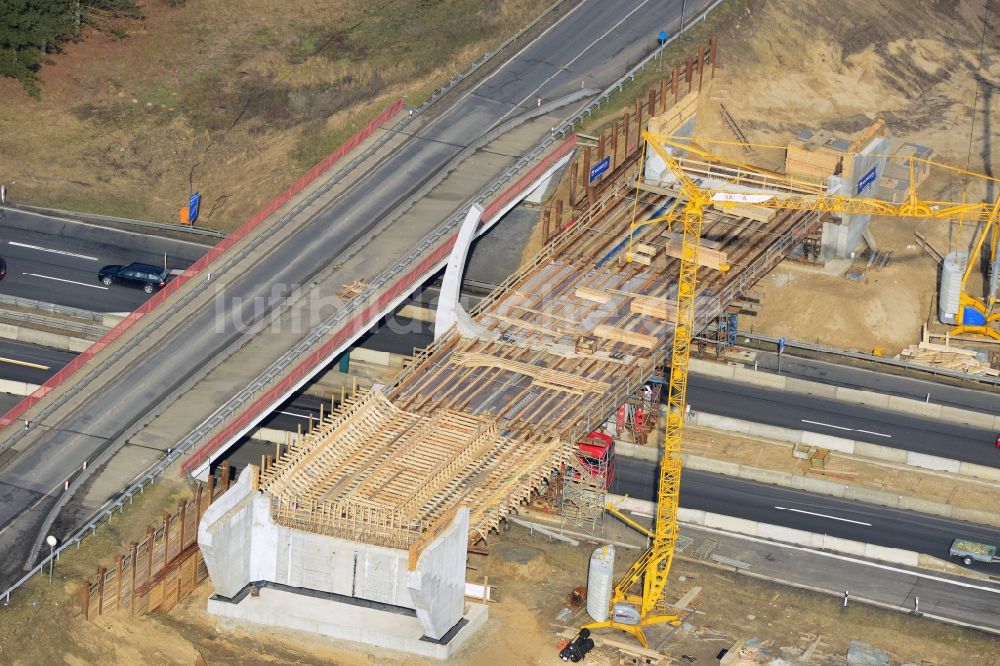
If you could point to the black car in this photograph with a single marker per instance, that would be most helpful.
(148, 277)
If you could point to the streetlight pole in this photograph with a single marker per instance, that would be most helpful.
(683, 4)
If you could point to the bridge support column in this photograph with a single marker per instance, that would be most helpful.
(449, 310)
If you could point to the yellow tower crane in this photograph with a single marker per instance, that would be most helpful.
(637, 599)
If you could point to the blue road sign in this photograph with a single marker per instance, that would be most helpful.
(193, 205)
(866, 180)
(781, 345)
(599, 168)
(662, 37)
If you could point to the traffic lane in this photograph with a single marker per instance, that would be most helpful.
(87, 239)
(882, 526)
(30, 275)
(15, 355)
(831, 417)
(627, 31)
(57, 261)
(973, 399)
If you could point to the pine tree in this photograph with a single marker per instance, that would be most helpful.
(29, 29)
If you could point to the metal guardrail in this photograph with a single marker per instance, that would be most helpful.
(173, 456)
(52, 308)
(880, 360)
(123, 221)
(53, 322)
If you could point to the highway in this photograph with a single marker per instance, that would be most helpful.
(842, 419)
(800, 510)
(56, 261)
(595, 42)
(757, 404)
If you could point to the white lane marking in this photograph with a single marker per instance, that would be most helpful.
(877, 434)
(301, 416)
(830, 425)
(82, 284)
(45, 249)
(823, 515)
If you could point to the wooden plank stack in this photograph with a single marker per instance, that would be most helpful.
(947, 358)
(667, 123)
(814, 155)
(707, 257)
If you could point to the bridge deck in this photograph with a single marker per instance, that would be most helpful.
(482, 420)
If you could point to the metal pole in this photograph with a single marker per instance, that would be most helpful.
(683, 4)
(51, 559)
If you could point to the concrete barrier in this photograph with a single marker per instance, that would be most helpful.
(895, 555)
(828, 442)
(879, 452)
(785, 535)
(731, 524)
(709, 369)
(43, 338)
(845, 546)
(773, 477)
(722, 467)
(926, 461)
(978, 516)
(16, 388)
(924, 506)
(811, 388)
(689, 516)
(975, 419)
(980, 471)
(774, 432)
(748, 376)
(870, 496)
(818, 486)
(920, 408)
(859, 397)
(716, 422)
(628, 450)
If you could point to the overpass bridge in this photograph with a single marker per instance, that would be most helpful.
(221, 335)
(484, 415)
(377, 503)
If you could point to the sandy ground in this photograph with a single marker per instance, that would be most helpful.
(790, 66)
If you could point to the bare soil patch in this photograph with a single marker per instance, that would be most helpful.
(233, 99)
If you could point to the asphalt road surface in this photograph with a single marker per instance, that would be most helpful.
(56, 261)
(842, 419)
(23, 362)
(595, 43)
(801, 510)
(757, 404)
(980, 400)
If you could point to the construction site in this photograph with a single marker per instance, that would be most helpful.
(517, 491)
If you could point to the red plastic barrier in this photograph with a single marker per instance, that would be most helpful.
(175, 284)
(360, 320)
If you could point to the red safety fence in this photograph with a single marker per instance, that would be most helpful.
(210, 256)
(361, 320)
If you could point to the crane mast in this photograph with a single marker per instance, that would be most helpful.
(637, 599)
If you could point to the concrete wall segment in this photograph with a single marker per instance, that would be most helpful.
(932, 462)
